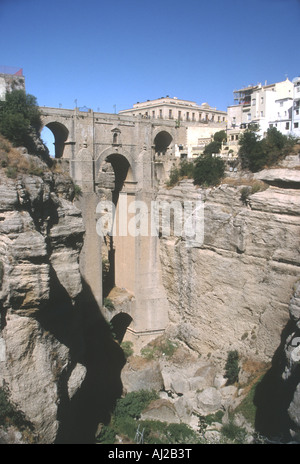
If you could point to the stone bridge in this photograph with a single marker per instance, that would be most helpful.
(120, 159)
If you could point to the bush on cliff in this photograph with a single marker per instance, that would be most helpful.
(20, 122)
(232, 367)
(256, 154)
(209, 170)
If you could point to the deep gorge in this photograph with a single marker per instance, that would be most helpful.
(239, 290)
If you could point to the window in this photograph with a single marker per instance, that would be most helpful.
(170, 114)
(249, 116)
(296, 125)
(253, 101)
(287, 125)
(193, 116)
(179, 115)
(160, 113)
(153, 114)
(187, 116)
(261, 114)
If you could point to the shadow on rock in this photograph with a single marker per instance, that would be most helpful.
(83, 329)
(273, 396)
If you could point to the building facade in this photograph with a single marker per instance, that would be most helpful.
(296, 108)
(200, 122)
(267, 106)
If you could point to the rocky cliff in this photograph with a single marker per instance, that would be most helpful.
(233, 291)
(56, 351)
(238, 283)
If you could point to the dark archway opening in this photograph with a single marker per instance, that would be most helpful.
(121, 169)
(61, 134)
(162, 141)
(119, 324)
(122, 174)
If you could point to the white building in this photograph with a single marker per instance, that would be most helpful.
(295, 122)
(199, 123)
(265, 105)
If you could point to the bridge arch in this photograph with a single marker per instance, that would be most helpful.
(119, 161)
(115, 175)
(162, 141)
(61, 134)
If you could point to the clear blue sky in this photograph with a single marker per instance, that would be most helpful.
(117, 52)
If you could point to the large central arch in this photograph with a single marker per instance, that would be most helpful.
(116, 178)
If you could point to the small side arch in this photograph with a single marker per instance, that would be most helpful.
(162, 141)
(61, 134)
(119, 324)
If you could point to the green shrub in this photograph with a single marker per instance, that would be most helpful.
(107, 302)
(134, 403)
(209, 170)
(232, 367)
(127, 348)
(107, 435)
(162, 348)
(174, 177)
(125, 415)
(233, 432)
(20, 121)
(256, 154)
(156, 432)
(77, 191)
(184, 170)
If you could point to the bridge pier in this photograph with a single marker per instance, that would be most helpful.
(112, 157)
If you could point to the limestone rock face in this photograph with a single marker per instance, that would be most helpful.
(41, 234)
(292, 362)
(232, 291)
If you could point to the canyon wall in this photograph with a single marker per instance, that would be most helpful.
(233, 291)
(58, 361)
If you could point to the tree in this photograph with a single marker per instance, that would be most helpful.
(255, 154)
(20, 121)
(209, 170)
(250, 151)
(214, 147)
(220, 136)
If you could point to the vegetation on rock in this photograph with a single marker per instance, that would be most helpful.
(256, 154)
(20, 122)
